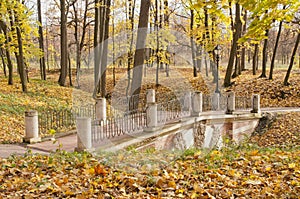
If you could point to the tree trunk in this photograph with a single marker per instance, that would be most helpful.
(254, 63)
(286, 79)
(113, 46)
(7, 53)
(139, 56)
(206, 65)
(130, 17)
(76, 36)
(193, 44)
(231, 16)
(199, 57)
(105, 48)
(243, 53)
(265, 56)
(161, 50)
(21, 64)
(96, 48)
(10, 67)
(3, 61)
(167, 24)
(238, 27)
(47, 47)
(275, 50)
(63, 44)
(157, 42)
(70, 69)
(237, 70)
(41, 42)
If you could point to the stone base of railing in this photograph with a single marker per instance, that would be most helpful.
(32, 140)
(151, 129)
(194, 114)
(78, 149)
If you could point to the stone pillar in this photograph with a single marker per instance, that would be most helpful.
(196, 104)
(230, 108)
(151, 114)
(216, 101)
(255, 103)
(187, 101)
(150, 96)
(100, 111)
(31, 127)
(84, 134)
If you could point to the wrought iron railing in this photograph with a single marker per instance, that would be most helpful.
(172, 110)
(124, 121)
(207, 102)
(120, 103)
(56, 120)
(63, 119)
(116, 126)
(243, 103)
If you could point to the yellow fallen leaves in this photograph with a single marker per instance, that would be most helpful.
(231, 173)
(284, 132)
(273, 93)
(292, 165)
(41, 95)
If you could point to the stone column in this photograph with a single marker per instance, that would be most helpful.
(100, 111)
(187, 101)
(151, 114)
(84, 134)
(216, 101)
(197, 104)
(230, 108)
(31, 127)
(255, 103)
(150, 96)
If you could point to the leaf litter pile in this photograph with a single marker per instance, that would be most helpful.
(267, 169)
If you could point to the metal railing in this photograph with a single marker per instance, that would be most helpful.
(120, 120)
(243, 103)
(116, 126)
(207, 102)
(62, 120)
(172, 110)
(121, 104)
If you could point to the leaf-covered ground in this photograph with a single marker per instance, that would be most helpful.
(234, 172)
(283, 132)
(273, 93)
(42, 95)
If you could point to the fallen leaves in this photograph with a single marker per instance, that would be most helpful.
(283, 132)
(41, 95)
(273, 93)
(249, 172)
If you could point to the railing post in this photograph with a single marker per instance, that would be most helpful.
(31, 127)
(216, 101)
(197, 104)
(230, 107)
(255, 103)
(100, 111)
(151, 114)
(84, 134)
(187, 101)
(150, 96)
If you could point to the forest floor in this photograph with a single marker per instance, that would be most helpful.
(266, 166)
